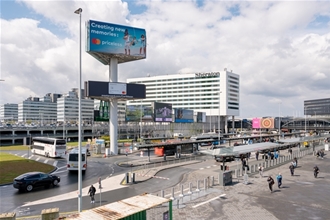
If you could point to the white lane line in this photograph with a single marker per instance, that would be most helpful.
(202, 203)
(38, 159)
(61, 167)
(31, 157)
(55, 163)
(208, 167)
(23, 155)
(46, 161)
(201, 168)
(60, 171)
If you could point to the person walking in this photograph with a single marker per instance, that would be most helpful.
(291, 167)
(257, 155)
(91, 193)
(279, 180)
(261, 169)
(271, 182)
(296, 161)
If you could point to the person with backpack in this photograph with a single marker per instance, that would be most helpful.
(91, 193)
(279, 180)
(271, 182)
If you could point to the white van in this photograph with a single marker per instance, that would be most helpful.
(72, 159)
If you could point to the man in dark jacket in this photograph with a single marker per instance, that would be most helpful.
(91, 193)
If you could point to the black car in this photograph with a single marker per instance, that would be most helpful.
(28, 181)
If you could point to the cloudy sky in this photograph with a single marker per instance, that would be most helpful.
(281, 50)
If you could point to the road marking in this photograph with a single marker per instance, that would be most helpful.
(61, 167)
(46, 161)
(38, 159)
(201, 168)
(23, 155)
(208, 167)
(202, 203)
(55, 163)
(60, 171)
(31, 156)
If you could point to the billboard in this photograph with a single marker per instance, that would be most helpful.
(106, 90)
(201, 117)
(162, 112)
(184, 115)
(267, 123)
(256, 123)
(133, 113)
(106, 40)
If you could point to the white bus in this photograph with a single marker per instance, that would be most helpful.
(72, 159)
(48, 147)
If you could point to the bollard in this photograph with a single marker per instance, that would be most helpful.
(190, 186)
(127, 177)
(172, 196)
(212, 180)
(133, 177)
(162, 193)
(205, 187)
(197, 189)
(235, 173)
(181, 194)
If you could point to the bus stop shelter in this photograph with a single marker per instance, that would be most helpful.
(134, 208)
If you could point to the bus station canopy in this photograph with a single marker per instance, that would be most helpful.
(123, 208)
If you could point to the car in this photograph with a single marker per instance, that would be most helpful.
(29, 181)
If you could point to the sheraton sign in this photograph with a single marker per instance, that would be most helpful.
(205, 75)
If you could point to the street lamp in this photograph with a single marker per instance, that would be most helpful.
(79, 11)
(279, 120)
(219, 120)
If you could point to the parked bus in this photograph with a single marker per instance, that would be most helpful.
(73, 160)
(48, 147)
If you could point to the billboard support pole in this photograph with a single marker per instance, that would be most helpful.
(113, 103)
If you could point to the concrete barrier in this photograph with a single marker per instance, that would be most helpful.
(50, 214)
(8, 216)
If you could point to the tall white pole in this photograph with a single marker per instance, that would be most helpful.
(305, 118)
(219, 118)
(79, 11)
(279, 120)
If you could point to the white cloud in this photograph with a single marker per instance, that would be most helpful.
(269, 44)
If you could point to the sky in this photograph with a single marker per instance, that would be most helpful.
(280, 49)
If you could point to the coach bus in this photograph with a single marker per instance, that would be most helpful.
(210, 138)
(73, 160)
(48, 147)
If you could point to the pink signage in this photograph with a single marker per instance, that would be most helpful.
(256, 123)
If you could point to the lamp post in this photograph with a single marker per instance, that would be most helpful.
(79, 11)
(279, 120)
(219, 120)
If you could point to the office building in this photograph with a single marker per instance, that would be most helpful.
(317, 107)
(201, 92)
(9, 112)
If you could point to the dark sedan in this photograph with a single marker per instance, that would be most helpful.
(31, 180)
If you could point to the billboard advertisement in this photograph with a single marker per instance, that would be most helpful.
(201, 117)
(162, 112)
(267, 123)
(184, 115)
(106, 90)
(125, 42)
(256, 123)
(133, 113)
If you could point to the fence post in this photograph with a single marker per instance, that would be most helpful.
(162, 193)
(181, 195)
(212, 180)
(172, 197)
(197, 189)
(190, 186)
(205, 187)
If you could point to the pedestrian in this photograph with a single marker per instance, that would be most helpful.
(290, 151)
(296, 161)
(279, 180)
(91, 193)
(261, 170)
(257, 155)
(244, 164)
(271, 182)
(291, 167)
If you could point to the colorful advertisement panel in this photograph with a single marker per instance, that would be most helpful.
(256, 123)
(201, 117)
(163, 112)
(133, 113)
(184, 115)
(126, 42)
(267, 123)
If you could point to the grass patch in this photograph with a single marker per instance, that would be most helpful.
(15, 147)
(12, 166)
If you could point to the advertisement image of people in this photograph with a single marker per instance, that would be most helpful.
(163, 112)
